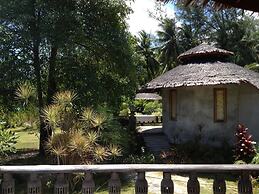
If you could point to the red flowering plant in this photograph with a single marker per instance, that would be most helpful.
(245, 146)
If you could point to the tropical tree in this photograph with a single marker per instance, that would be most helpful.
(60, 45)
(147, 50)
(167, 37)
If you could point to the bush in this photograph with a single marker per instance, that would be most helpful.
(245, 146)
(27, 118)
(153, 107)
(8, 139)
(140, 159)
(86, 137)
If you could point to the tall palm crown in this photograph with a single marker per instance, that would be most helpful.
(167, 37)
(146, 49)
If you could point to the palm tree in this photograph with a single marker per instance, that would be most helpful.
(167, 37)
(145, 48)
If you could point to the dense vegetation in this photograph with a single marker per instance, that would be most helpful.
(85, 46)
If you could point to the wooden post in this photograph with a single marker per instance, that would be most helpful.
(88, 186)
(61, 186)
(193, 186)
(141, 186)
(219, 185)
(8, 185)
(132, 122)
(114, 184)
(34, 185)
(167, 185)
(245, 184)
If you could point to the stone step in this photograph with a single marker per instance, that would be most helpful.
(155, 143)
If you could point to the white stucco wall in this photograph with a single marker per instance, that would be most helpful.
(249, 109)
(195, 114)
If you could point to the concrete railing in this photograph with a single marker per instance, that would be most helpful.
(141, 186)
(148, 119)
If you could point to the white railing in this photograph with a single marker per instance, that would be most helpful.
(141, 186)
(148, 119)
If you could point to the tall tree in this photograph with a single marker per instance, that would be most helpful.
(167, 37)
(147, 50)
(62, 45)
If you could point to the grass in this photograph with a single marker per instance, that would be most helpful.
(27, 139)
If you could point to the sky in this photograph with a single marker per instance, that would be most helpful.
(141, 20)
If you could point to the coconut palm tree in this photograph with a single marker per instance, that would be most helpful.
(146, 49)
(167, 37)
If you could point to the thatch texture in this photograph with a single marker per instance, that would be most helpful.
(204, 50)
(251, 5)
(203, 74)
(148, 96)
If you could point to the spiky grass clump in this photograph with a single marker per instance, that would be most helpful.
(25, 91)
(65, 98)
(77, 147)
(52, 115)
(93, 119)
(80, 140)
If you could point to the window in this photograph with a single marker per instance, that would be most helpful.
(220, 105)
(173, 104)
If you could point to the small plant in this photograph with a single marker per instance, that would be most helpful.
(245, 146)
(140, 159)
(8, 139)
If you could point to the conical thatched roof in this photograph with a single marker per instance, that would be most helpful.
(148, 96)
(203, 74)
(204, 50)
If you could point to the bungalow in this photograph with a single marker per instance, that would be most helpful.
(207, 96)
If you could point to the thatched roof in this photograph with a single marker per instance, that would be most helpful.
(203, 73)
(251, 5)
(148, 96)
(204, 50)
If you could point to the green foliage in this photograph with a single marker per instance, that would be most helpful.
(86, 59)
(253, 67)
(8, 140)
(27, 118)
(153, 107)
(140, 159)
(255, 160)
(193, 152)
(167, 37)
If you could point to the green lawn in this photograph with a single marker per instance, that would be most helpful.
(27, 139)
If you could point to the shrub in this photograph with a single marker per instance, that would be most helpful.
(27, 118)
(146, 158)
(153, 107)
(8, 139)
(245, 146)
(86, 137)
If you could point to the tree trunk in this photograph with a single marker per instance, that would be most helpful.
(36, 39)
(52, 84)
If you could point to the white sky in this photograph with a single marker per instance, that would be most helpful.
(141, 20)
